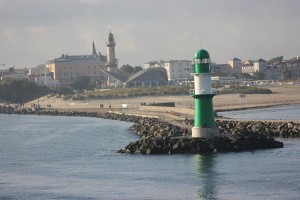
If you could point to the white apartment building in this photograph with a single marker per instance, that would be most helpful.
(177, 70)
(250, 67)
(42, 76)
(46, 81)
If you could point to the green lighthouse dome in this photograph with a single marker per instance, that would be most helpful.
(201, 54)
(201, 61)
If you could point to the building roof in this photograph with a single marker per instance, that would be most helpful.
(122, 76)
(202, 53)
(125, 77)
(248, 62)
(144, 71)
(260, 60)
(236, 59)
(79, 58)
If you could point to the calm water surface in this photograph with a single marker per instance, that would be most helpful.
(289, 112)
(52, 157)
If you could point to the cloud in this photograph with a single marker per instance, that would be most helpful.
(91, 1)
(148, 30)
(10, 35)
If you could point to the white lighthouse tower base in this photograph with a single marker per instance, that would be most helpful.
(201, 132)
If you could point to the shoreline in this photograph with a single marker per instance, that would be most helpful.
(161, 128)
(161, 137)
(184, 105)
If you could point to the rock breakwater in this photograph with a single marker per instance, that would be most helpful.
(200, 145)
(104, 115)
(267, 128)
(157, 137)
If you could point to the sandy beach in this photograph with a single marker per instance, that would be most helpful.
(282, 95)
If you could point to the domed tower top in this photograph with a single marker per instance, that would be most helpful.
(202, 53)
(202, 61)
(110, 39)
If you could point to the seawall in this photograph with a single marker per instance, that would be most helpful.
(157, 136)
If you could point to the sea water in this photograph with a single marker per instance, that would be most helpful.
(288, 112)
(55, 157)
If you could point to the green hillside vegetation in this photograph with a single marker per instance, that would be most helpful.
(248, 90)
(133, 92)
(158, 91)
(20, 91)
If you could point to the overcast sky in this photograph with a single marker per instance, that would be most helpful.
(33, 31)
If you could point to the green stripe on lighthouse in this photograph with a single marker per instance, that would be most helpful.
(204, 114)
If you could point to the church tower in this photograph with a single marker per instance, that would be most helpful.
(94, 49)
(111, 63)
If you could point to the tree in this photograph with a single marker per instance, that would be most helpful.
(275, 60)
(287, 74)
(236, 75)
(81, 83)
(63, 90)
(258, 75)
(20, 91)
(245, 76)
(219, 73)
(127, 69)
(137, 69)
(92, 84)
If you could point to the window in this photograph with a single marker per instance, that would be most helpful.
(199, 61)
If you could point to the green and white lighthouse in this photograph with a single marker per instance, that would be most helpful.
(204, 122)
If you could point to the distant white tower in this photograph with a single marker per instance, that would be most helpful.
(112, 62)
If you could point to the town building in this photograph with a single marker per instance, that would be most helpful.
(260, 65)
(292, 66)
(248, 67)
(42, 76)
(149, 77)
(177, 70)
(12, 73)
(67, 68)
(222, 69)
(236, 65)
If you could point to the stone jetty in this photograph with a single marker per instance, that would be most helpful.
(104, 115)
(268, 128)
(159, 137)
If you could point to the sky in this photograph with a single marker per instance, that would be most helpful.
(35, 31)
